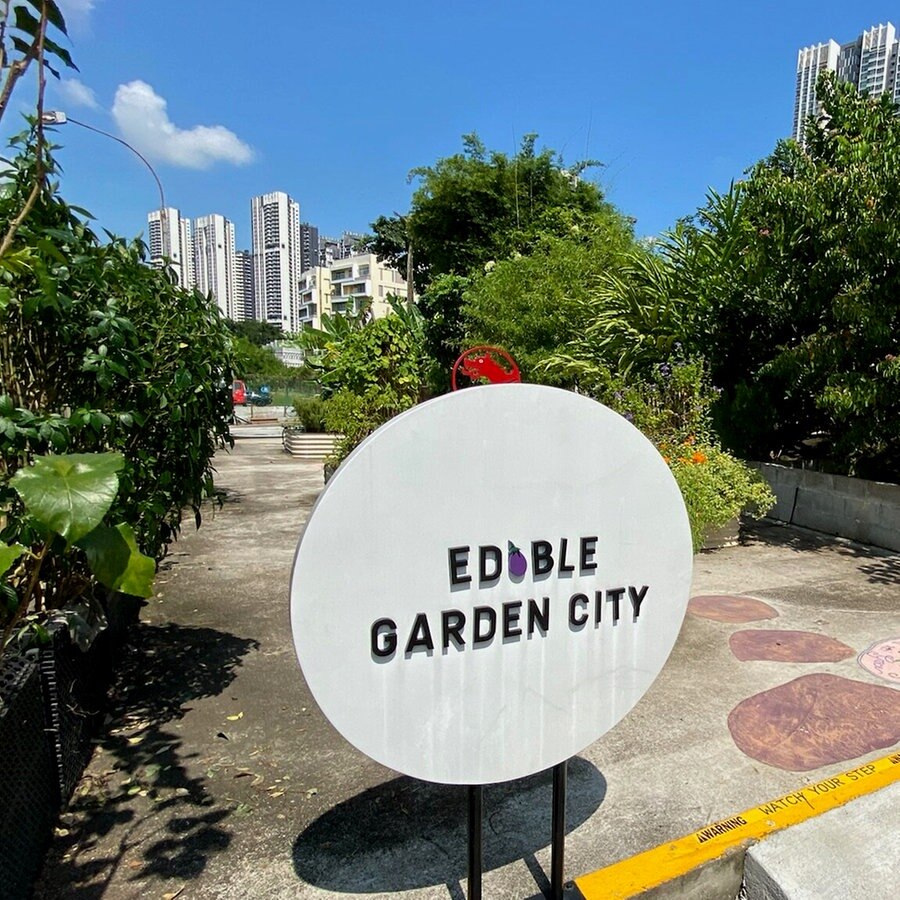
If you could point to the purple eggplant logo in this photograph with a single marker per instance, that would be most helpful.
(518, 565)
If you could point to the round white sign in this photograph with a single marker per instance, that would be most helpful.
(490, 582)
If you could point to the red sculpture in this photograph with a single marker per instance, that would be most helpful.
(490, 364)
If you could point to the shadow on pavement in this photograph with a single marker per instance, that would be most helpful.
(407, 834)
(878, 565)
(138, 784)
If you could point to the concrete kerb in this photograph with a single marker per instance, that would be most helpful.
(709, 863)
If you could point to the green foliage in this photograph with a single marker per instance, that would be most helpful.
(98, 353)
(716, 488)
(670, 404)
(70, 494)
(116, 561)
(791, 281)
(443, 328)
(255, 332)
(369, 372)
(534, 305)
(251, 358)
(390, 242)
(65, 500)
(474, 207)
(355, 416)
(310, 412)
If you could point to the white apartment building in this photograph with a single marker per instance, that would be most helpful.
(347, 287)
(169, 237)
(811, 62)
(275, 228)
(214, 263)
(870, 62)
(287, 353)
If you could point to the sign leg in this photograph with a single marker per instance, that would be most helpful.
(558, 827)
(476, 861)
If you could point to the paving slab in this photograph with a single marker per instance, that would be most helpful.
(218, 777)
(849, 853)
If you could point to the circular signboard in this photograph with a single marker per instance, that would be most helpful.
(490, 582)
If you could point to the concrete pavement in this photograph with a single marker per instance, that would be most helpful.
(219, 778)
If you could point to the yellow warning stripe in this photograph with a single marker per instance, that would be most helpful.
(669, 861)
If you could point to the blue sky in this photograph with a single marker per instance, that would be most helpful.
(335, 103)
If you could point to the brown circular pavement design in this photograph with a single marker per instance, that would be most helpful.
(816, 720)
(730, 608)
(787, 646)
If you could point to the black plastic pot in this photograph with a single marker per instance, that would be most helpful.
(29, 783)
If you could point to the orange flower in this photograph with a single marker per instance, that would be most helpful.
(698, 457)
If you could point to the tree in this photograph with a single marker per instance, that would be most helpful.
(535, 305)
(821, 287)
(258, 333)
(789, 285)
(472, 208)
(476, 208)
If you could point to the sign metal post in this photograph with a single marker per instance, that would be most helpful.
(476, 840)
(558, 830)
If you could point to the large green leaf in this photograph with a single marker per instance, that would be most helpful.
(70, 494)
(9, 553)
(117, 563)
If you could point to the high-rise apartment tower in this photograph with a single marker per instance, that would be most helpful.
(309, 246)
(214, 262)
(169, 237)
(245, 292)
(870, 62)
(275, 227)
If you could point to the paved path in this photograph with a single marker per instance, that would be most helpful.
(219, 778)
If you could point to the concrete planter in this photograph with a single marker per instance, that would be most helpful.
(309, 445)
(727, 535)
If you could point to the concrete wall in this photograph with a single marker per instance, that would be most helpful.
(864, 511)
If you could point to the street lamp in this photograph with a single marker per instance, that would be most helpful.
(58, 117)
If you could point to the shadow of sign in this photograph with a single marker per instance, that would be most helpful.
(407, 834)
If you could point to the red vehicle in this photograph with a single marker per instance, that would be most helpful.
(238, 393)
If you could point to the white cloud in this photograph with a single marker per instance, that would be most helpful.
(77, 94)
(141, 116)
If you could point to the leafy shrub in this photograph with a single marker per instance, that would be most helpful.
(671, 406)
(716, 488)
(670, 403)
(100, 352)
(356, 416)
(369, 371)
(66, 497)
(310, 413)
